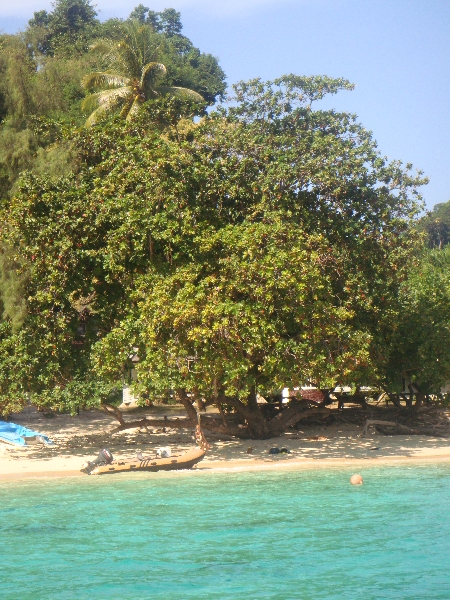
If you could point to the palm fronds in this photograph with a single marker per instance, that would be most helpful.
(101, 46)
(179, 92)
(97, 115)
(151, 73)
(105, 101)
(133, 73)
(104, 79)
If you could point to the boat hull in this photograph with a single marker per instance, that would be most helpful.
(173, 463)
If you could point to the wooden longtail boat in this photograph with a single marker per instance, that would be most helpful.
(172, 463)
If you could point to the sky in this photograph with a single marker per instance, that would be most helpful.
(397, 52)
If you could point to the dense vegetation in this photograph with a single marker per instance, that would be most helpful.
(436, 225)
(265, 243)
(41, 73)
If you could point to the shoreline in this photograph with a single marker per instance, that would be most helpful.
(238, 466)
(337, 446)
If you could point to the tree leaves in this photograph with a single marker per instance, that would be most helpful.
(265, 245)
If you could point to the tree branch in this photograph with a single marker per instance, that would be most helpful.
(113, 411)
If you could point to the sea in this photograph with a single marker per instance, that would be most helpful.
(228, 535)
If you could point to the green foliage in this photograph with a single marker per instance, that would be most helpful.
(168, 21)
(436, 224)
(418, 345)
(39, 107)
(264, 245)
(40, 83)
(65, 31)
(135, 71)
(13, 282)
(16, 70)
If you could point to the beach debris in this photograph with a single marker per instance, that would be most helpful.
(279, 451)
(249, 450)
(423, 424)
(356, 479)
(317, 438)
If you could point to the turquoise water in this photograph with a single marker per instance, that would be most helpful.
(288, 535)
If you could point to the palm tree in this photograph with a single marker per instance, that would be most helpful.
(133, 75)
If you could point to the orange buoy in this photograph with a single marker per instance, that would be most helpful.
(356, 479)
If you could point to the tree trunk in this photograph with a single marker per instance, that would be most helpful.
(258, 427)
(420, 396)
(401, 429)
(291, 415)
(191, 412)
(113, 411)
(255, 424)
(222, 414)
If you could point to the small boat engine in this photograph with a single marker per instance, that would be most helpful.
(104, 458)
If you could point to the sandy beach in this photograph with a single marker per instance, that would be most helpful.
(80, 438)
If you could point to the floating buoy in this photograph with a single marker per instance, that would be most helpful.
(356, 479)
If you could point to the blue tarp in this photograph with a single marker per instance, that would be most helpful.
(16, 434)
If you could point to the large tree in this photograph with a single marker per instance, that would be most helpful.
(265, 247)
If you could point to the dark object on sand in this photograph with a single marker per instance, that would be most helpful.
(279, 451)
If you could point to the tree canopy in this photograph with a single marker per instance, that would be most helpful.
(66, 29)
(265, 245)
(436, 224)
(418, 344)
(41, 70)
(132, 77)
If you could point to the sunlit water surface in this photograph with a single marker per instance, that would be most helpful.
(280, 535)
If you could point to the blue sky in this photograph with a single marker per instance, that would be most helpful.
(397, 52)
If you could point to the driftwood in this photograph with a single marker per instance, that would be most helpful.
(396, 428)
(177, 423)
(401, 429)
(164, 423)
(211, 423)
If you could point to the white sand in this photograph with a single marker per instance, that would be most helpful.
(81, 437)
